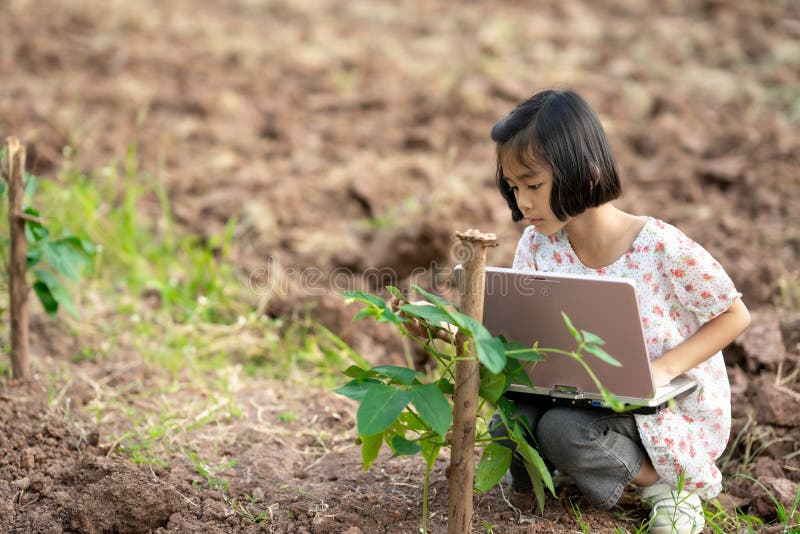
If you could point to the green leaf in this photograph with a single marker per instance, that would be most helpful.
(2, 188)
(521, 352)
(490, 353)
(492, 385)
(356, 389)
(433, 407)
(370, 447)
(454, 317)
(572, 329)
(592, 339)
(89, 248)
(379, 408)
(365, 312)
(61, 258)
(57, 290)
(517, 373)
(534, 465)
(35, 231)
(446, 387)
(430, 314)
(30, 185)
(387, 315)
(494, 463)
(404, 447)
(404, 375)
(396, 293)
(411, 421)
(33, 256)
(430, 450)
(49, 303)
(378, 306)
(367, 298)
(603, 355)
(354, 371)
(435, 299)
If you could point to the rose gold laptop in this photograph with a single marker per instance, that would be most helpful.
(526, 307)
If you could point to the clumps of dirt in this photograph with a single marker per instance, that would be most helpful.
(763, 344)
(55, 477)
(765, 443)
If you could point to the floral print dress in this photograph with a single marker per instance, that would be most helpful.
(679, 287)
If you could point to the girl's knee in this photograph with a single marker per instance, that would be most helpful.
(559, 432)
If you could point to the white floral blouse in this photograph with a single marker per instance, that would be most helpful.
(679, 287)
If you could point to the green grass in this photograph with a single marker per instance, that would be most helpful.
(178, 301)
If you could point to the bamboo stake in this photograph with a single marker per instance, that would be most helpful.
(17, 264)
(467, 378)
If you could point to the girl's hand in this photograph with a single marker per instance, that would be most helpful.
(660, 376)
(415, 328)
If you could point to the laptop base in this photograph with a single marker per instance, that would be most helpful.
(680, 388)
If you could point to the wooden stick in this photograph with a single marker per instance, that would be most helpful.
(28, 217)
(467, 378)
(17, 264)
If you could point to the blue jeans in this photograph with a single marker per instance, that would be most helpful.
(600, 449)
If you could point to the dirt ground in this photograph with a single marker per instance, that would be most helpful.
(354, 136)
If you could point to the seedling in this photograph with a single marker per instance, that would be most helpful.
(411, 413)
(50, 260)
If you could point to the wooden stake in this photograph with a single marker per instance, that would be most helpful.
(467, 377)
(17, 264)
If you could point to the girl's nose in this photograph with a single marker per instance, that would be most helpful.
(524, 202)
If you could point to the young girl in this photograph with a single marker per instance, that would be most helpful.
(555, 170)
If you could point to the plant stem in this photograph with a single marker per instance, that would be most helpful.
(425, 484)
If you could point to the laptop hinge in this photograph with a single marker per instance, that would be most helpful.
(566, 392)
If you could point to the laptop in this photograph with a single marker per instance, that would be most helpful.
(526, 307)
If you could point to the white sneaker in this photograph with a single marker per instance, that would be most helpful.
(673, 512)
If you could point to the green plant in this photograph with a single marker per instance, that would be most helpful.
(788, 518)
(286, 417)
(576, 511)
(51, 259)
(719, 520)
(412, 416)
(210, 473)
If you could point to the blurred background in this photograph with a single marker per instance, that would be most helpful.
(355, 134)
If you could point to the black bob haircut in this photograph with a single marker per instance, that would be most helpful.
(558, 128)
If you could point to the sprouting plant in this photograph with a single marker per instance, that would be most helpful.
(51, 259)
(576, 511)
(210, 473)
(412, 415)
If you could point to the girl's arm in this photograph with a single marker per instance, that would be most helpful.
(707, 341)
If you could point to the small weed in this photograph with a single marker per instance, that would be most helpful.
(261, 518)
(210, 473)
(576, 511)
(286, 417)
(84, 355)
(720, 521)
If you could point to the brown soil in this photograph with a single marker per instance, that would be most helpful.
(345, 135)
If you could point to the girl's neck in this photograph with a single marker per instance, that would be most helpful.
(599, 236)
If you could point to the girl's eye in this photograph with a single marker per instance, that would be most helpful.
(534, 187)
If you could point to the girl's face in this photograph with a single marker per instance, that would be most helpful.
(532, 185)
